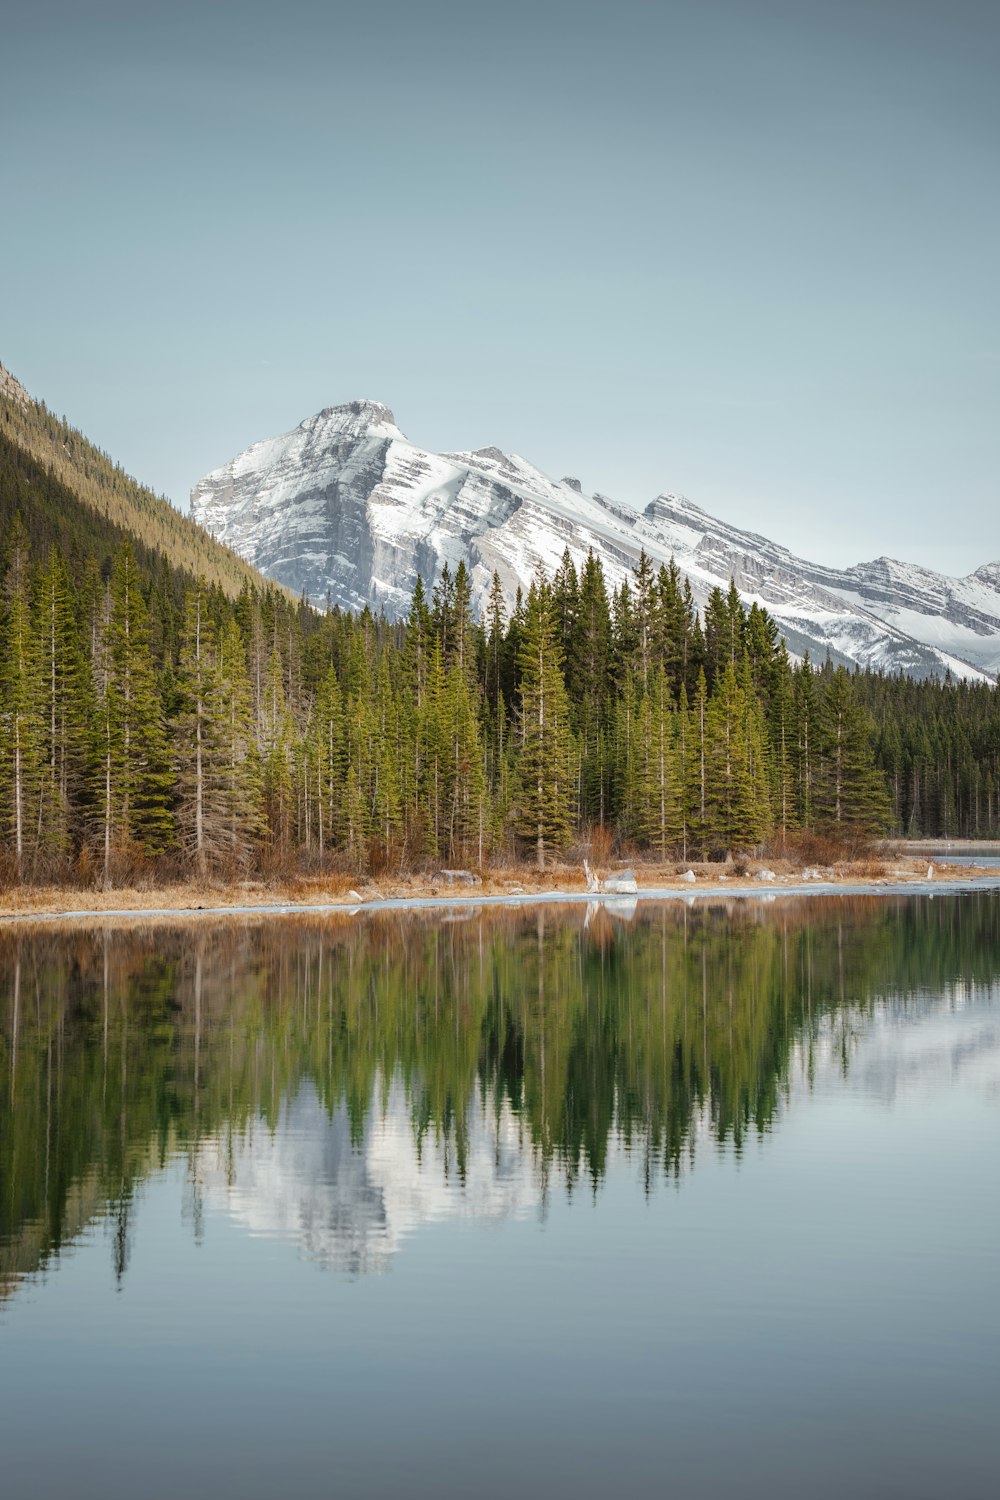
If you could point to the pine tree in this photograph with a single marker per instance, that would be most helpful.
(645, 621)
(781, 738)
(443, 612)
(566, 604)
(657, 818)
(67, 704)
(434, 732)
(386, 819)
(627, 782)
(21, 724)
(328, 753)
(469, 817)
(495, 705)
(683, 743)
(806, 738)
(675, 626)
(244, 792)
(135, 780)
(197, 748)
(545, 780)
(587, 683)
(276, 741)
(850, 792)
(463, 650)
(624, 638)
(696, 770)
(218, 788)
(735, 782)
(725, 632)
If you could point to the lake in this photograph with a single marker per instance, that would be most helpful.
(694, 1200)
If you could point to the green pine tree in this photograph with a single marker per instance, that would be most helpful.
(21, 723)
(545, 763)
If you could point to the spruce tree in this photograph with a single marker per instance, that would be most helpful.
(806, 735)
(198, 750)
(244, 793)
(21, 723)
(782, 742)
(218, 792)
(695, 787)
(675, 625)
(64, 684)
(850, 796)
(657, 817)
(134, 775)
(587, 683)
(645, 621)
(545, 780)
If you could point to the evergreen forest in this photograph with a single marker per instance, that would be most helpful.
(156, 719)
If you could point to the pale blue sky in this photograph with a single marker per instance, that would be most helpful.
(744, 249)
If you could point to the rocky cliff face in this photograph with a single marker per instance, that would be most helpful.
(345, 508)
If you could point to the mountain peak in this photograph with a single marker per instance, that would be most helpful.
(356, 419)
(344, 507)
(989, 574)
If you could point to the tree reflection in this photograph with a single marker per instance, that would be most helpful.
(533, 1037)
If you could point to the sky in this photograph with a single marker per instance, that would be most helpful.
(742, 250)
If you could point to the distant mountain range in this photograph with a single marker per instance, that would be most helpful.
(345, 507)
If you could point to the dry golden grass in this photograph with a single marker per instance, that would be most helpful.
(343, 889)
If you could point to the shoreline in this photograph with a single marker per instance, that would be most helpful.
(955, 881)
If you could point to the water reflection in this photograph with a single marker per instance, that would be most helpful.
(350, 1203)
(337, 1086)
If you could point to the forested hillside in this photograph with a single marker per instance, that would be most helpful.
(110, 494)
(149, 721)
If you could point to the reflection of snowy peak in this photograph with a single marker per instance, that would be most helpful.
(350, 1206)
(345, 507)
(910, 1045)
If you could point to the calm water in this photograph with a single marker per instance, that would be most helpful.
(701, 1203)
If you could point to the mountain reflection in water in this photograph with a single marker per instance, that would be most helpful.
(350, 1203)
(338, 1086)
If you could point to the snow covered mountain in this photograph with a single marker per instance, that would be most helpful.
(345, 507)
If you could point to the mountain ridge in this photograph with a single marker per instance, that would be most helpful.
(104, 487)
(345, 507)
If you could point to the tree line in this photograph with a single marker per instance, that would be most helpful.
(148, 718)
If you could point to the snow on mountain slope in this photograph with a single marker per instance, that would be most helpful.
(345, 507)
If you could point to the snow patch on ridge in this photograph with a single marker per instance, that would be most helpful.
(345, 506)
